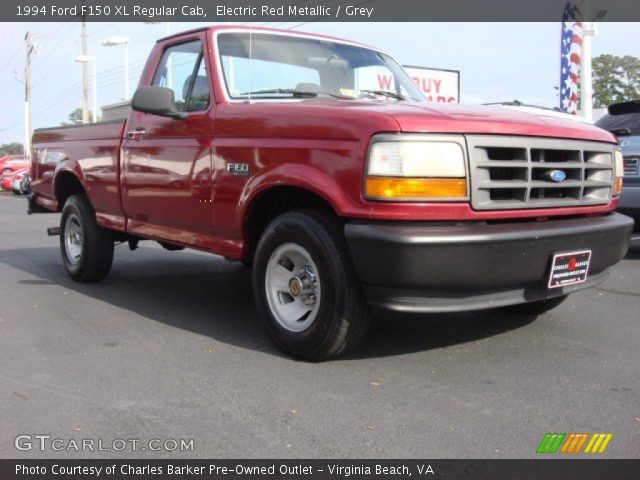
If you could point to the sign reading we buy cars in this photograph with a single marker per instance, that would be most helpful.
(438, 86)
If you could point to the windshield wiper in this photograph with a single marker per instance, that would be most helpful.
(386, 93)
(294, 92)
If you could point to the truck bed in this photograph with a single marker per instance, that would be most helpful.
(90, 152)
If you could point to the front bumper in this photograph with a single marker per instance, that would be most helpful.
(426, 267)
(630, 199)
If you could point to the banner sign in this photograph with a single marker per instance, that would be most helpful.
(437, 85)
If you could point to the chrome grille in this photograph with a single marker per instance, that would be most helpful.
(515, 172)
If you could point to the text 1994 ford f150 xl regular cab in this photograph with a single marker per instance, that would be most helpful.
(283, 150)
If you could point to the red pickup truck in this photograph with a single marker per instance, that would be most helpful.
(285, 151)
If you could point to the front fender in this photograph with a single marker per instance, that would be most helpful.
(306, 177)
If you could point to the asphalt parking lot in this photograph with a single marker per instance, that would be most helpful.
(170, 346)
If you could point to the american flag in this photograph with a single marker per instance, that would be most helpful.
(570, 51)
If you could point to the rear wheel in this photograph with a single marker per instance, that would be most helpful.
(87, 248)
(538, 307)
(309, 299)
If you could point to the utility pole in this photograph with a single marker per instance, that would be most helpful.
(85, 74)
(31, 51)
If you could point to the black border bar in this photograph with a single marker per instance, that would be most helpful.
(544, 469)
(216, 11)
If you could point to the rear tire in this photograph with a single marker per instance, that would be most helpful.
(538, 307)
(87, 248)
(309, 299)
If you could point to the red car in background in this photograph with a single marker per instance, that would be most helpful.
(12, 163)
(6, 179)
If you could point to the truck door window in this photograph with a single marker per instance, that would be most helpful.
(182, 69)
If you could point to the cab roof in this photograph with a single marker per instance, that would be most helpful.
(248, 28)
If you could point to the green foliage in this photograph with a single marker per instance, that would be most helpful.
(75, 118)
(615, 79)
(13, 148)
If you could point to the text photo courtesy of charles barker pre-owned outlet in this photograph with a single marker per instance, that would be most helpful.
(319, 239)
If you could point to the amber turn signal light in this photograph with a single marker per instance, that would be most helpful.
(619, 172)
(385, 188)
(617, 186)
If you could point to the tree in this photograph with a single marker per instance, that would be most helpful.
(75, 118)
(615, 79)
(13, 148)
(630, 71)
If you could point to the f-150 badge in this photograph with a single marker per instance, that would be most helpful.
(240, 169)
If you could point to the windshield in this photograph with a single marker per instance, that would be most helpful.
(630, 144)
(282, 66)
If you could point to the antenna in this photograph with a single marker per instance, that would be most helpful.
(250, 59)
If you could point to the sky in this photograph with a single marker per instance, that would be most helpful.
(497, 61)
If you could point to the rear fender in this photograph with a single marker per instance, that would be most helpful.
(69, 167)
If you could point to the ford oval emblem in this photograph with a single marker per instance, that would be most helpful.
(557, 175)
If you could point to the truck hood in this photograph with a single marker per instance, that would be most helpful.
(439, 118)
(323, 118)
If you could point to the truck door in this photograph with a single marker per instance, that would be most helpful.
(166, 163)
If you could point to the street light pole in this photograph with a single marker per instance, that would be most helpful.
(95, 92)
(589, 30)
(85, 86)
(116, 41)
(126, 71)
(84, 59)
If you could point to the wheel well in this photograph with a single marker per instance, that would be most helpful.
(67, 184)
(275, 201)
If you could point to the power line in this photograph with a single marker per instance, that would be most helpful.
(103, 29)
(55, 48)
(31, 26)
(108, 75)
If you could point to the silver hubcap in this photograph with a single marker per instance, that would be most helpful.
(293, 287)
(73, 238)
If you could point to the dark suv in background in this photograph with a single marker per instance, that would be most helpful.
(623, 120)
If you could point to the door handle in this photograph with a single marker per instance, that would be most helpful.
(136, 134)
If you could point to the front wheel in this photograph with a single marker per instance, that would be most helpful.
(309, 299)
(87, 248)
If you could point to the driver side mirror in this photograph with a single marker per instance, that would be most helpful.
(156, 101)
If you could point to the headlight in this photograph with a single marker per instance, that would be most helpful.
(417, 167)
(619, 172)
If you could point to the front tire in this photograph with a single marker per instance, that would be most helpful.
(309, 299)
(87, 248)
